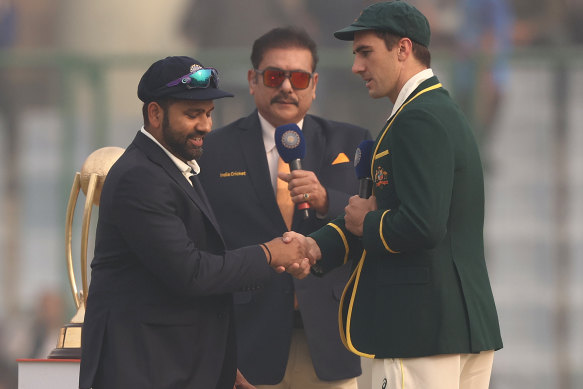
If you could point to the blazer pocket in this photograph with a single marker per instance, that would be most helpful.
(405, 275)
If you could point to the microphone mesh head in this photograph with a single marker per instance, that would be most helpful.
(290, 143)
(362, 159)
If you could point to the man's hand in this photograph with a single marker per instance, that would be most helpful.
(304, 186)
(241, 382)
(356, 210)
(309, 245)
(287, 255)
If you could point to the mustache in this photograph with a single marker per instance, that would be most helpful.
(284, 100)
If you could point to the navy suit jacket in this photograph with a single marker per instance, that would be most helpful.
(159, 310)
(236, 178)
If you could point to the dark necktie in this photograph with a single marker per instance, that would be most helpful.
(198, 188)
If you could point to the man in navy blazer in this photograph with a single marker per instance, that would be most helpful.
(287, 332)
(159, 310)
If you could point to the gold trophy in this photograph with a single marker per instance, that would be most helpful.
(90, 180)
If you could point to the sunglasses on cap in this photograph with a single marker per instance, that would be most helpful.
(200, 78)
(274, 77)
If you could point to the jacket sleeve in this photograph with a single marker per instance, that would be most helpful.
(337, 245)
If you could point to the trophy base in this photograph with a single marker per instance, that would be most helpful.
(69, 342)
(65, 353)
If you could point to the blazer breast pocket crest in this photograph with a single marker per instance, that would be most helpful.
(381, 177)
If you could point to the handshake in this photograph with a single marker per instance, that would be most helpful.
(293, 253)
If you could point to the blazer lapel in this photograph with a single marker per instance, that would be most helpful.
(425, 84)
(314, 157)
(159, 157)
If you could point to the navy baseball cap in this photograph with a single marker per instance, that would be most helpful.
(180, 77)
(397, 17)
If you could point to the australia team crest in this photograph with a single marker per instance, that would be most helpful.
(381, 177)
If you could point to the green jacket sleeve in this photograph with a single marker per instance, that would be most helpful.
(337, 244)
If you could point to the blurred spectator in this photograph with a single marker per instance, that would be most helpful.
(7, 39)
(48, 320)
(8, 374)
(445, 18)
(574, 16)
(481, 69)
(34, 336)
(7, 377)
(9, 161)
(7, 22)
(31, 335)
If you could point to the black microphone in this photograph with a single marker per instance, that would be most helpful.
(291, 147)
(362, 164)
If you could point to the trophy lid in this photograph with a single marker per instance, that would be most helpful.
(99, 162)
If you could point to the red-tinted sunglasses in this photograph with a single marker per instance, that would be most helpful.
(274, 77)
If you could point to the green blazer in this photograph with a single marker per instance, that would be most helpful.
(420, 286)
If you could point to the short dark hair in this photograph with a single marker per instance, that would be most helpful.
(419, 51)
(282, 38)
(163, 103)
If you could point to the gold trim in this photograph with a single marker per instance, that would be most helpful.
(436, 86)
(346, 339)
(382, 236)
(382, 154)
(341, 233)
(340, 321)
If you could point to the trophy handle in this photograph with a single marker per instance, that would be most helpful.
(85, 231)
(89, 180)
(68, 235)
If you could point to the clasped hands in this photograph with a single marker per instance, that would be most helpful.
(291, 253)
(296, 253)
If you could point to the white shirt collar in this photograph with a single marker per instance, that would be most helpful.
(269, 132)
(409, 87)
(185, 168)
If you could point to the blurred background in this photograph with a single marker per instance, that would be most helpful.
(68, 76)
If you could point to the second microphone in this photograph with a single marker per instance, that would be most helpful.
(291, 147)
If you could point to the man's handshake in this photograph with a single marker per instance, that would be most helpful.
(293, 253)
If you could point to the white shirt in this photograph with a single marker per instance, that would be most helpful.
(186, 169)
(409, 87)
(270, 150)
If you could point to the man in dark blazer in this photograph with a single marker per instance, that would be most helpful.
(289, 320)
(159, 310)
(419, 300)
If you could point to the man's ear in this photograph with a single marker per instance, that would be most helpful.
(252, 78)
(155, 114)
(404, 48)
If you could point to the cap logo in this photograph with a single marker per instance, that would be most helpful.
(194, 68)
(290, 139)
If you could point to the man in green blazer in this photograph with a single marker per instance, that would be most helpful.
(419, 300)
